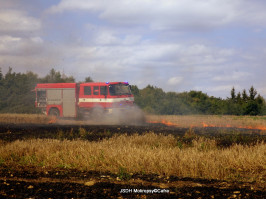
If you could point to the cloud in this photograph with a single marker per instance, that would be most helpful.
(223, 90)
(67, 5)
(106, 38)
(162, 64)
(14, 21)
(175, 80)
(157, 14)
(233, 76)
(29, 54)
(194, 15)
(18, 46)
(176, 45)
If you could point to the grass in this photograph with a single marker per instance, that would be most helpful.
(148, 153)
(252, 122)
(24, 118)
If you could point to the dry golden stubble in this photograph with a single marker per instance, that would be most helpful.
(148, 153)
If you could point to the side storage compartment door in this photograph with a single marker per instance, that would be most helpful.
(69, 102)
(54, 96)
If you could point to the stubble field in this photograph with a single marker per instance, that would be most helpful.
(167, 157)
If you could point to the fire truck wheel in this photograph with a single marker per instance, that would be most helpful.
(54, 112)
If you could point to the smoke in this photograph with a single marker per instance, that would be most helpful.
(126, 115)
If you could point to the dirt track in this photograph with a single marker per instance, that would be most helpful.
(66, 183)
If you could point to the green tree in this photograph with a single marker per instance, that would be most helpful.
(253, 105)
(151, 99)
(56, 77)
(1, 75)
(233, 94)
(238, 98)
(17, 96)
(252, 93)
(16, 92)
(88, 79)
(252, 108)
(244, 96)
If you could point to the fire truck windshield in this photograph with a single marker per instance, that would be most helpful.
(119, 89)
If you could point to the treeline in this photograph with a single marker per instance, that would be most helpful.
(16, 89)
(154, 100)
(17, 96)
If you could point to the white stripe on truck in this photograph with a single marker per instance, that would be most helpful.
(107, 100)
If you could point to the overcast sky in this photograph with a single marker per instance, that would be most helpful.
(176, 45)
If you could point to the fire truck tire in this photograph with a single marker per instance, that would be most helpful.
(54, 112)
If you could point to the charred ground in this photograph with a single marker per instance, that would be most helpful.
(224, 136)
(27, 183)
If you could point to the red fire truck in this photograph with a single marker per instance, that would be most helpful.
(76, 99)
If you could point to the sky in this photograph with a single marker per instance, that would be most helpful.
(177, 45)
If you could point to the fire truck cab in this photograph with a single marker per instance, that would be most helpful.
(73, 99)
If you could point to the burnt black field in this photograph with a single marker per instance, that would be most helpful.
(224, 136)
